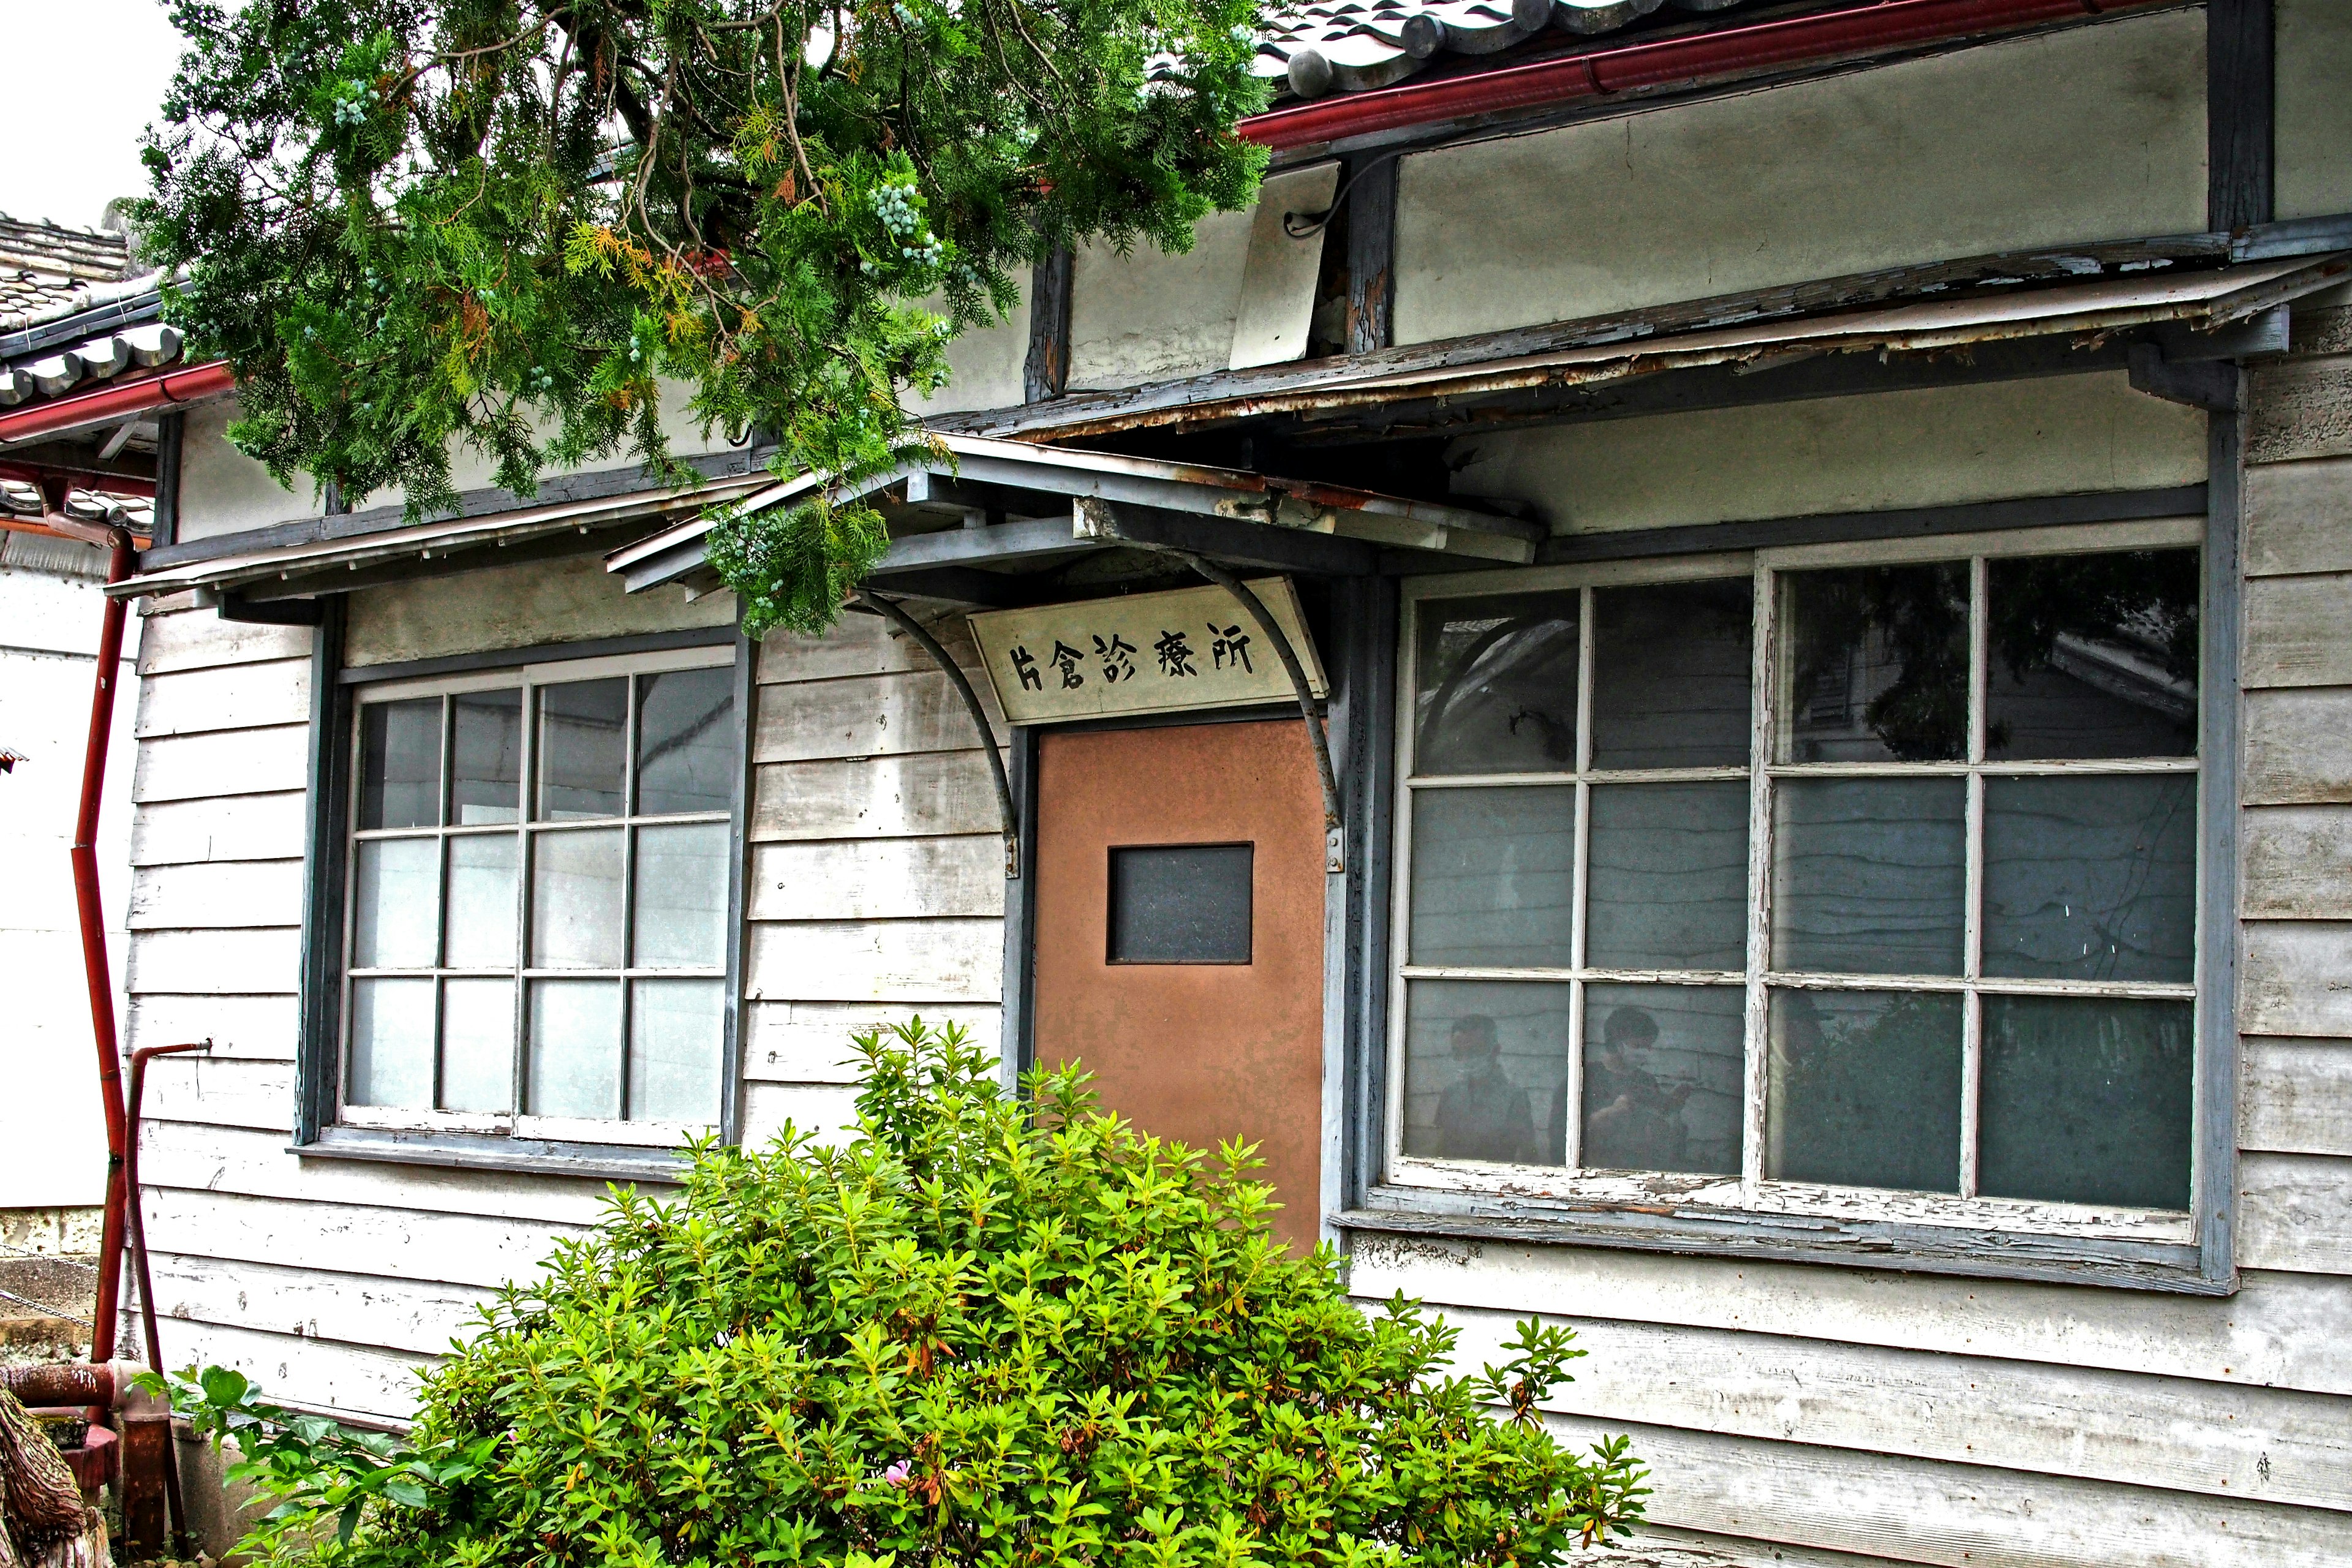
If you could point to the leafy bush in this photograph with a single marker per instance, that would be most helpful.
(985, 1331)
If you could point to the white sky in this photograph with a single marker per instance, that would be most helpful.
(84, 77)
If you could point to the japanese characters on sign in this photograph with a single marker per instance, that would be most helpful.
(1192, 647)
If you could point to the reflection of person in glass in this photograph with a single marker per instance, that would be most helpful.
(1631, 1124)
(1483, 1115)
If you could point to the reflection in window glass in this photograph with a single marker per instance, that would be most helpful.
(2086, 1101)
(1483, 1060)
(685, 742)
(399, 763)
(481, 930)
(1493, 876)
(675, 1028)
(477, 1028)
(391, 1043)
(1864, 1089)
(1668, 885)
(484, 758)
(582, 748)
(1870, 876)
(2091, 878)
(574, 1048)
(1671, 666)
(2093, 655)
(396, 904)
(1497, 690)
(575, 900)
(1664, 1069)
(681, 897)
(1878, 664)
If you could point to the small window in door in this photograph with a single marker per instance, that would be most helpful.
(1181, 903)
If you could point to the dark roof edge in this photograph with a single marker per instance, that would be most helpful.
(83, 325)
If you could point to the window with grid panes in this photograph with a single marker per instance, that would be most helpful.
(538, 896)
(1817, 880)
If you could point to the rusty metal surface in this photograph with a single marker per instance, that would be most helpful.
(1202, 1053)
(62, 1382)
(146, 1446)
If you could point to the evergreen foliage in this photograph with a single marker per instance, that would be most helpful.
(985, 1331)
(507, 224)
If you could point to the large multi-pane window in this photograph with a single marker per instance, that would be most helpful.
(1808, 880)
(538, 896)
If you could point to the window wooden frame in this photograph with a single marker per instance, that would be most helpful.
(1748, 1216)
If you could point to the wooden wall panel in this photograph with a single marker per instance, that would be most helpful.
(226, 697)
(877, 879)
(198, 1158)
(2296, 978)
(217, 894)
(2296, 863)
(256, 1028)
(222, 962)
(2295, 1096)
(199, 639)
(229, 761)
(218, 827)
(2300, 408)
(230, 1092)
(2298, 747)
(312, 1374)
(877, 716)
(2299, 515)
(863, 645)
(2295, 1211)
(419, 1318)
(809, 1042)
(930, 793)
(869, 961)
(2296, 631)
(826, 1111)
(401, 1243)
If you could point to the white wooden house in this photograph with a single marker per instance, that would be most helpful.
(1821, 536)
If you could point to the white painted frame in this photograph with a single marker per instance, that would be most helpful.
(1750, 1195)
(528, 679)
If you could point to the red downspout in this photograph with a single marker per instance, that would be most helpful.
(121, 400)
(94, 968)
(1722, 53)
(176, 1516)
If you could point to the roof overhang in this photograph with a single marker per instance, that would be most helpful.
(1057, 502)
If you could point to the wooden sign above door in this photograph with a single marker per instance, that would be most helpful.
(1148, 653)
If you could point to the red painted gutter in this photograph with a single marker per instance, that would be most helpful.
(94, 968)
(1701, 58)
(117, 400)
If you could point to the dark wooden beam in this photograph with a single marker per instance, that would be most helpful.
(1048, 369)
(171, 432)
(1370, 219)
(964, 585)
(1003, 543)
(2239, 113)
(1247, 544)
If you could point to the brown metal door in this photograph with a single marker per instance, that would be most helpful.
(1211, 1050)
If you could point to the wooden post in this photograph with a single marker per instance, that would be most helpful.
(1046, 372)
(145, 1440)
(1371, 253)
(2239, 108)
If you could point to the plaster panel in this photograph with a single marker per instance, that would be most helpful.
(2095, 133)
(2315, 112)
(1934, 447)
(222, 490)
(521, 606)
(985, 366)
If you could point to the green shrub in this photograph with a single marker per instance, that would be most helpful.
(985, 1331)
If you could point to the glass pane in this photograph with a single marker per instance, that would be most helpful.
(391, 1043)
(2093, 655)
(582, 748)
(681, 917)
(1864, 1089)
(1877, 661)
(1668, 888)
(1672, 665)
(1664, 1068)
(1869, 875)
(477, 1027)
(685, 742)
(1183, 903)
(2086, 1101)
(1495, 690)
(674, 1036)
(399, 763)
(1493, 876)
(575, 900)
(481, 902)
(575, 1048)
(2091, 878)
(486, 758)
(396, 904)
(1482, 1058)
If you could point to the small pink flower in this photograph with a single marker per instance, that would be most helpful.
(897, 1474)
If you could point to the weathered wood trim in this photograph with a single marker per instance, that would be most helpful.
(1363, 731)
(2239, 95)
(1016, 1038)
(1046, 370)
(480, 1151)
(2215, 1156)
(739, 869)
(1370, 227)
(1852, 526)
(171, 439)
(326, 813)
(511, 658)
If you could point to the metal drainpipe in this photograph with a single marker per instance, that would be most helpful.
(94, 968)
(175, 1526)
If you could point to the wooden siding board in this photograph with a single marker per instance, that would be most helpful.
(231, 761)
(2280, 1330)
(2298, 631)
(2298, 747)
(863, 645)
(254, 1028)
(809, 1042)
(2300, 408)
(216, 895)
(879, 879)
(224, 697)
(228, 962)
(824, 1110)
(874, 716)
(2295, 1211)
(2296, 978)
(307, 1373)
(875, 961)
(419, 1318)
(2169, 1433)
(228, 1093)
(928, 794)
(405, 1244)
(199, 639)
(217, 828)
(2299, 515)
(2297, 861)
(2296, 1096)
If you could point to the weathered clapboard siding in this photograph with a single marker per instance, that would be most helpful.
(2296, 515)
(256, 1028)
(228, 962)
(809, 1042)
(230, 762)
(224, 697)
(348, 1238)
(218, 827)
(2298, 747)
(2293, 1096)
(201, 641)
(824, 1110)
(313, 1373)
(2295, 1211)
(219, 895)
(877, 879)
(1953, 1516)
(2297, 863)
(870, 716)
(862, 645)
(225, 1092)
(2301, 408)
(417, 1317)
(887, 797)
(2141, 1430)
(2295, 977)
(2294, 630)
(875, 961)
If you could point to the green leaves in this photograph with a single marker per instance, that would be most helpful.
(544, 230)
(987, 1330)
